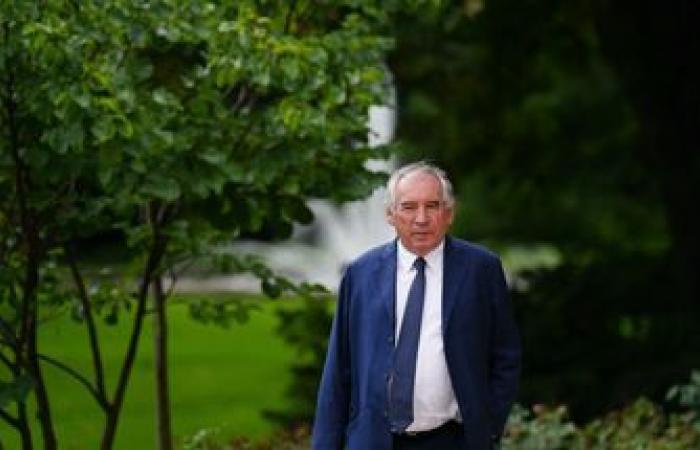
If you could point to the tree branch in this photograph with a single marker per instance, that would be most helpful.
(241, 97)
(161, 214)
(75, 374)
(12, 421)
(155, 256)
(90, 324)
(7, 362)
(175, 275)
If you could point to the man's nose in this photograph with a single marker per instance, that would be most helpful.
(421, 215)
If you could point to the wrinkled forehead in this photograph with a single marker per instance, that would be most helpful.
(419, 187)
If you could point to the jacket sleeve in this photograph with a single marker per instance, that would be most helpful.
(505, 353)
(331, 417)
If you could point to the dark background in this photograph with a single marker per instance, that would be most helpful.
(573, 126)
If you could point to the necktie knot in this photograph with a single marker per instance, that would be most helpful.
(419, 264)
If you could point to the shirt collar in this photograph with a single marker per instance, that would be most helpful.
(433, 259)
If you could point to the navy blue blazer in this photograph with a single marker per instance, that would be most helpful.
(481, 342)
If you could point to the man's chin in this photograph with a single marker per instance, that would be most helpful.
(421, 247)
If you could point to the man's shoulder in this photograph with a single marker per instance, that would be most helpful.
(468, 249)
(458, 248)
(375, 254)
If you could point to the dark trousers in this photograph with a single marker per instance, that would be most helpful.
(449, 436)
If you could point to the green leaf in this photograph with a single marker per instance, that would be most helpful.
(213, 156)
(163, 188)
(297, 210)
(162, 97)
(103, 130)
(271, 288)
(82, 99)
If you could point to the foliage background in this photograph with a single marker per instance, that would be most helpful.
(565, 127)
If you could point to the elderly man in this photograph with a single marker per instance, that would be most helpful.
(424, 352)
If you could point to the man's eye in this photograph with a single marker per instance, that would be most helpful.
(408, 207)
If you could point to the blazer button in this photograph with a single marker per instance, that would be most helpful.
(390, 339)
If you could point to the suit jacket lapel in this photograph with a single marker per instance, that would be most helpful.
(450, 281)
(386, 274)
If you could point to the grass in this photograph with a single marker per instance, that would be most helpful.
(220, 378)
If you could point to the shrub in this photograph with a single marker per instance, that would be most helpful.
(294, 439)
(642, 425)
(687, 395)
(541, 428)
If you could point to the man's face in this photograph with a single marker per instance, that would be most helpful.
(419, 215)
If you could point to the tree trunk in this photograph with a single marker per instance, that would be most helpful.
(113, 410)
(25, 432)
(160, 352)
(31, 307)
(31, 236)
(42, 400)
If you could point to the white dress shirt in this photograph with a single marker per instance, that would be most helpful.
(434, 401)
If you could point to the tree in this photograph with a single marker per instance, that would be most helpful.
(177, 126)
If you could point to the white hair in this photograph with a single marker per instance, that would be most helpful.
(422, 167)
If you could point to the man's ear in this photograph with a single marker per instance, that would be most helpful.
(390, 216)
(451, 213)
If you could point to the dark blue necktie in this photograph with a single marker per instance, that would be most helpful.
(404, 371)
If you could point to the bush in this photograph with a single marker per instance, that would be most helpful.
(642, 425)
(294, 439)
(687, 395)
(541, 428)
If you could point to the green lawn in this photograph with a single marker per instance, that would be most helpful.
(220, 378)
